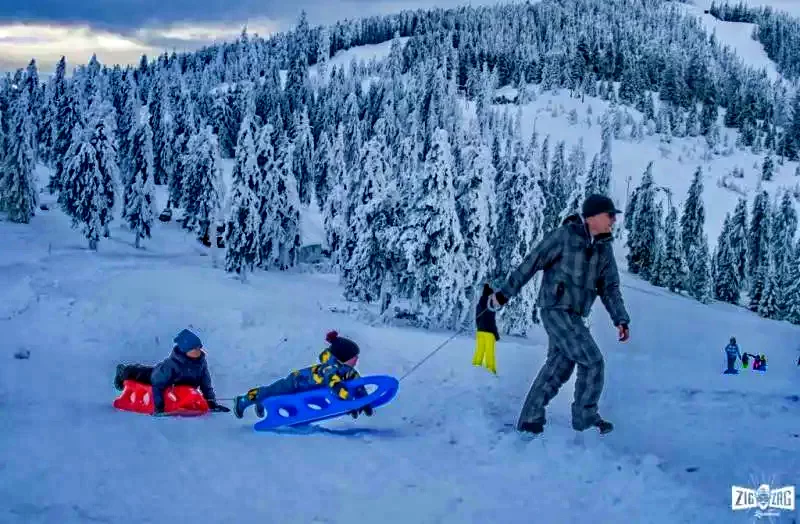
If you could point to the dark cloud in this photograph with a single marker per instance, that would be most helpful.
(153, 26)
(125, 16)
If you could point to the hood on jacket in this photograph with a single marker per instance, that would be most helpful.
(578, 226)
(186, 341)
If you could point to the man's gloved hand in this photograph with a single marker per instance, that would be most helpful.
(624, 332)
(218, 408)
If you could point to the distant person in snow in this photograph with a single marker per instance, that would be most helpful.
(186, 365)
(336, 365)
(578, 264)
(732, 353)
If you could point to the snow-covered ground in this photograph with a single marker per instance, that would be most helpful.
(442, 451)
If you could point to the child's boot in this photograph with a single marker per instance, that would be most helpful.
(239, 405)
(260, 412)
(118, 382)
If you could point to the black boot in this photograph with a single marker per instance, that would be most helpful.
(119, 377)
(604, 426)
(239, 405)
(531, 427)
(260, 411)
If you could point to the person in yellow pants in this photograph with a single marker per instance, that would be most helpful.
(487, 334)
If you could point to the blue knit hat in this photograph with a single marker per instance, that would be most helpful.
(186, 341)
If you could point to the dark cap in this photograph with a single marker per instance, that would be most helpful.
(596, 204)
(342, 348)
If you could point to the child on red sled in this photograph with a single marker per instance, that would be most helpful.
(336, 365)
(186, 365)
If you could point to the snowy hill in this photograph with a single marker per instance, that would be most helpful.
(737, 35)
(441, 452)
(790, 6)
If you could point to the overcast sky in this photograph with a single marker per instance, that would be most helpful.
(120, 31)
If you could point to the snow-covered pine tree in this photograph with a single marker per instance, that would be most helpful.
(126, 124)
(139, 192)
(768, 169)
(18, 191)
(520, 228)
(699, 271)
(630, 210)
(756, 290)
(243, 224)
(758, 244)
(727, 285)
(557, 188)
(286, 204)
(650, 272)
(476, 205)
(737, 241)
(433, 243)
(673, 265)
(31, 88)
(103, 124)
(544, 157)
(784, 227)
(203, 190)
(336, 200)
(303, 156)
(642, 238)
(604, 163)
(365, 272)
(655, 275)
(768, 305)
(223, 115)
(708, 117)
(693, 218)
(323, 54)
(268, 164)
(576, 167)
(88, 191)
(592, 182)
(506, 174)
(68, 116)
(792, 291)
(158, 108)
(56, 88)
(323, 157)
(180, 129)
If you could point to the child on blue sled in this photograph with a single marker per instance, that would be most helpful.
(336, 365)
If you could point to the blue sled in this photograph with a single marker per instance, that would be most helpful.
(321, 404)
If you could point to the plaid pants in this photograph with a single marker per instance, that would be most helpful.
(571, 345)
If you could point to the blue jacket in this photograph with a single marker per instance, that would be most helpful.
(329, 372)
(181, 369)
(733, 351)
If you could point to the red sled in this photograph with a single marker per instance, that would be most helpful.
(178, 400)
